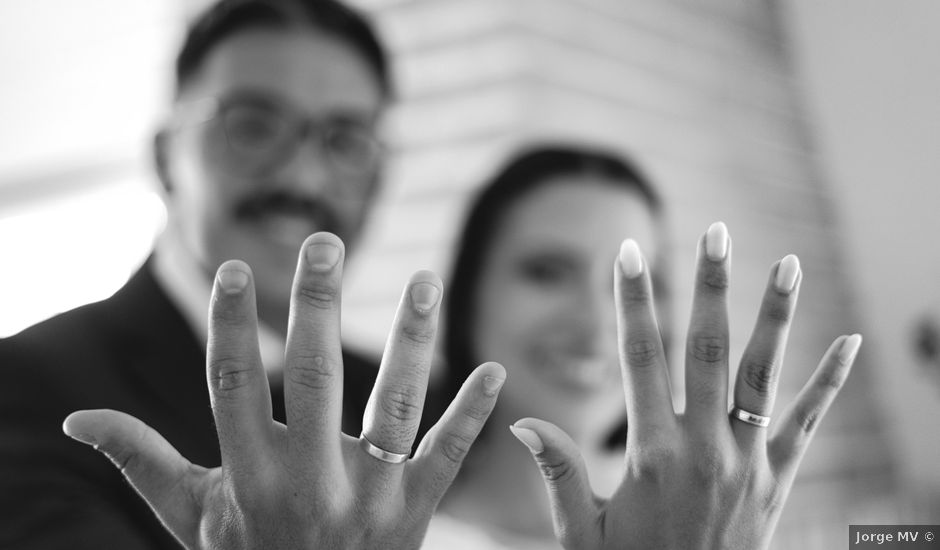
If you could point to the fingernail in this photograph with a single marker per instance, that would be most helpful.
(787, 272)
(716, 241)
(233, 280)
(322, 256)
(528, 438)
(87, 439)
(630, 261)
(491, 385)
(849, 348)
(424, 296)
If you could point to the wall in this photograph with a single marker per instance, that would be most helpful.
(872, 76)
(84, 83)
(706, 97)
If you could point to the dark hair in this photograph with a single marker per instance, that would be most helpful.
(227, 17)
(523, 173)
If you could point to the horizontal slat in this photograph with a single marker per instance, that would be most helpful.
(454, 19)
(427, 24)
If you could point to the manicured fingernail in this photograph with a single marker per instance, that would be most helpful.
(424, 296)
(631, 263)
(528, 438)
(787, 272)
(716, 241)
(491, 385)
(849, 348)
(233, 281)
(322, 256)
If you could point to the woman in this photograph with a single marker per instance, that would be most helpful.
(532, 287)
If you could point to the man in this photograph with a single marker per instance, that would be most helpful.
(272, 138)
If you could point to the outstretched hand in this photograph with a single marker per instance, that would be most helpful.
(306, 484)
(704, 478)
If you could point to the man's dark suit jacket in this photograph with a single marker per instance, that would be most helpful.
(134, 353)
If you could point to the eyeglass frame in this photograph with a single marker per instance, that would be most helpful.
(211, 108)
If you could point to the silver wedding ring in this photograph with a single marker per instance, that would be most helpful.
(750, 418)
(379, 452)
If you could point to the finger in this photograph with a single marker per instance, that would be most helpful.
(799, 422)
(238, 386)
(706, 362)
(438, 459)
(168, 482)
(394, 409)
(313, 376)
(756, 384)
(642, 361)
(575, 510)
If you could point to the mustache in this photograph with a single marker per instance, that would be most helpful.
(259, 205)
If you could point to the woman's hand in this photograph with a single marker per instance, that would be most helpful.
(304, 485)
(703, 479)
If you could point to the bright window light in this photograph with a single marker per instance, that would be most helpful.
(73, 249)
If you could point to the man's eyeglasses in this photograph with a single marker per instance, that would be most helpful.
(261, 132)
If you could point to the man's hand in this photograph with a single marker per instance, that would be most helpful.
(306, 484)
(702, 479)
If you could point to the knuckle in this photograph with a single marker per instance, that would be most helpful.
(708, 348)
(318, 295)
(315, 372)
(556, 470)
(807, 417)
(778, 312)
(402, 404)
(651, 464)
(637, 295)
(418, 334)
(477, 414)
(710, 467)
(759, 375)
(254, 502)
(714, 280)
(833, 380)
(454, 446)
(229, 374)
(642, 352)
(228, 315)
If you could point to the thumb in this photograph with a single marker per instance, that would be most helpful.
(575, 509)
(166, 480)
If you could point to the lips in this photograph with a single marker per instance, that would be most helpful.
(580, 373)
(286, 229)
(287, 219)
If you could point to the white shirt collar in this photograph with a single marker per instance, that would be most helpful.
(189, 290)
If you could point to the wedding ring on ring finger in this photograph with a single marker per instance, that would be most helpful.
(750, 418)
(380, 453)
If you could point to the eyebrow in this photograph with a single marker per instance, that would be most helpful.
(552, 249)
(274, 99)
(555, 248)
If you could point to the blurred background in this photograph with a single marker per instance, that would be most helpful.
(808, 126)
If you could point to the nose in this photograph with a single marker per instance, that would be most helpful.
(596, 319)
(307, 169)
